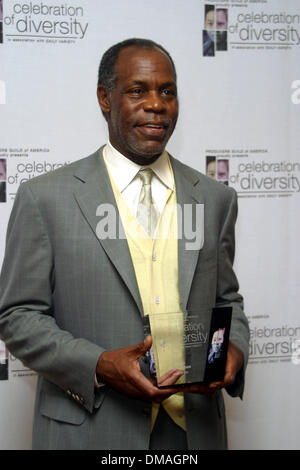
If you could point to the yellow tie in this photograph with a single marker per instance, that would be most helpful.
(147, 213)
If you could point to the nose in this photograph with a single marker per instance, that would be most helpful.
(154, 102)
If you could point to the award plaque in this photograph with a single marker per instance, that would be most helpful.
(193, 341)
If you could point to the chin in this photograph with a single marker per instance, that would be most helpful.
(149, 151)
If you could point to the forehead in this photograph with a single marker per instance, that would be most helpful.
(210, 14)
(140, 62)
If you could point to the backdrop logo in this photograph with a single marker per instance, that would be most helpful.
(19, 164)
(245, 26)
(267, 177)
(40, 22)
(252, 174)
(274, 344)
(266, 29)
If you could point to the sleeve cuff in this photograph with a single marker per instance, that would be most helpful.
(98, 384)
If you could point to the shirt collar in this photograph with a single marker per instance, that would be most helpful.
(124, 170)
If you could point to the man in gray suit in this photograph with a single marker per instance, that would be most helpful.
(72, 303)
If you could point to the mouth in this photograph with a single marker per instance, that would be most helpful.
(152, 129)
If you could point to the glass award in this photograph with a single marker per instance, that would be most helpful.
(194, 341)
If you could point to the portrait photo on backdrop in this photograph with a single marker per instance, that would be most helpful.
(1, 21)
(95, 246)
(3, 362)
(2, 169)
(221, 18)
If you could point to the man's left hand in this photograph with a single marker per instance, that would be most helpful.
(233, 365)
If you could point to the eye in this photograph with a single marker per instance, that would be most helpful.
(168, 92)
(135, 91)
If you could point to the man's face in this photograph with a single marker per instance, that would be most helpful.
(211, 169)
(222, 169)
(221, 19)
(210, 19)
(143, 106)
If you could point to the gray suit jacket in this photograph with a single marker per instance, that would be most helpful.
(67, 296)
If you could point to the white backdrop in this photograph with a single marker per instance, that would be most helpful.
(241, 104)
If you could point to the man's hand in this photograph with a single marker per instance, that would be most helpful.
(120, 370)
(233, 365)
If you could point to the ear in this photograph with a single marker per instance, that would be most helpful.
(103, 98)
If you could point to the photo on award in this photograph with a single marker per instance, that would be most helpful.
(194, 341)
(218, 344)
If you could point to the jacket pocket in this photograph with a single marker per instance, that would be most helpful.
(60, 407)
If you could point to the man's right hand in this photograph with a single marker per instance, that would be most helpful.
(120, 370)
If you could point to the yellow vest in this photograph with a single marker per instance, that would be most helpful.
(155, 263)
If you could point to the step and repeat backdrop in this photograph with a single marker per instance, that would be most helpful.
(238, 65)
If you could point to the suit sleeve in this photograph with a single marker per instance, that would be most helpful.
(227, 290)
(27, 324)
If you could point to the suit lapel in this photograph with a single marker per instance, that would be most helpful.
(189, 193)
(96, 190)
